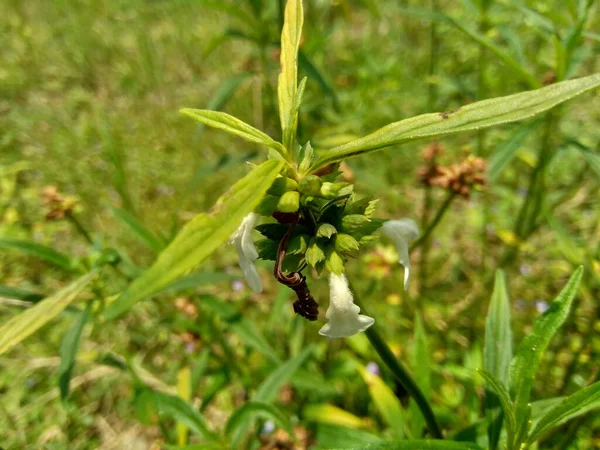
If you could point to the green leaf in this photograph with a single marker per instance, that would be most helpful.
(20, 294)
(417, 445)
(28, 322)
(575, 405)
(268, 389)
(43, 252)
(506, 151)
(471, 117)
(68, 351)
(508, 407)
(199, 238)
(330, 414)
(253, 410)
(197, 279)
(182, 412)
(315, 74)
(386, 402)
(287, 83)
(233, 125)
(139, 230)
(221, 96)
(593, 160)
(422, 372)
(524, 365)
(498, 351)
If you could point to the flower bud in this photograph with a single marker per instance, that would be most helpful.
(326, 230)
(282, 185)
(289, 202)
(332, 190)
(310, 185)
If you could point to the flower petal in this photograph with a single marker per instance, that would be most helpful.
(247, 254)
(343, 315)
(402, 232)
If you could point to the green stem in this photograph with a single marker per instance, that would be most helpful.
(405, 379)
(427, 200)
(436, 220)
(79, 227)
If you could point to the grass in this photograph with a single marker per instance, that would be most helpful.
(89, 94)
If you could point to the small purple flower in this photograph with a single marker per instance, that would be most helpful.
(268, 427)
(541, 306)
(373, 368)
(525, 270)
(237, 285)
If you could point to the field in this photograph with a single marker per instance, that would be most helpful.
(100, 171)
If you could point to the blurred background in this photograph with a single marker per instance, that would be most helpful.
(96, 161)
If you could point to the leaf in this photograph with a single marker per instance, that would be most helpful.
(287, 83)
(221, 96)
(498, 351)
(182, 412)
(575, 405)
(139, 230)
(507, 405)
(253, 410)
(184, 390)
(233, 125)
(386, 402)
(315, 74)
(20, 294)
(44, 252)
(268, 389)
(417, 445)
(197, 279)
(593, 160)
(475, 116)
(68, 351)
(330, 414)
(28, 322)
(331, 436)
(422, 372)
(199, 238)
(506, 151)
(524, 365)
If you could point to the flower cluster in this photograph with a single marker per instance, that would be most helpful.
(58, 205)
(316, 221)
(458, 178)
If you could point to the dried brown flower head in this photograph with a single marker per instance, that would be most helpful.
(58, 205)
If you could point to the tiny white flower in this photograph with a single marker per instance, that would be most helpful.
(247, 254)
(402, 232)
(343, 315)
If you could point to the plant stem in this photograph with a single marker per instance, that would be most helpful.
(427, 200)
(405, 379)
(79, 227)
(436, 220)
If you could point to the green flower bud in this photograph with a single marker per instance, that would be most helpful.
(332, 190)
(289, 202)
(310, 185)
(282, 185)
(267, 206)
(344, 243)
(326, 230)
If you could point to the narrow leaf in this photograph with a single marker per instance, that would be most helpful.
(471, 117)
(68, 351)
(288, 77)
(184, 390)
(417, 445)
(139, 230)
(268, 389)
(593, 159)
(506, 151)
(43, 252)
(200, 237)
(254, 410)
(508, 408)
(575, 405)
(182, 412)
(20, 294)
(498, 351)
(233, 125)
(28, 322)
(315, 74)
(524, 365)
(422, 370)
(386, 402)
(332, 415)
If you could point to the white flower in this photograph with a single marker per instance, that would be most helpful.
(401, 232)
(247, 254)
(342, 314)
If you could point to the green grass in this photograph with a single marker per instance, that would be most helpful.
(89, 94)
